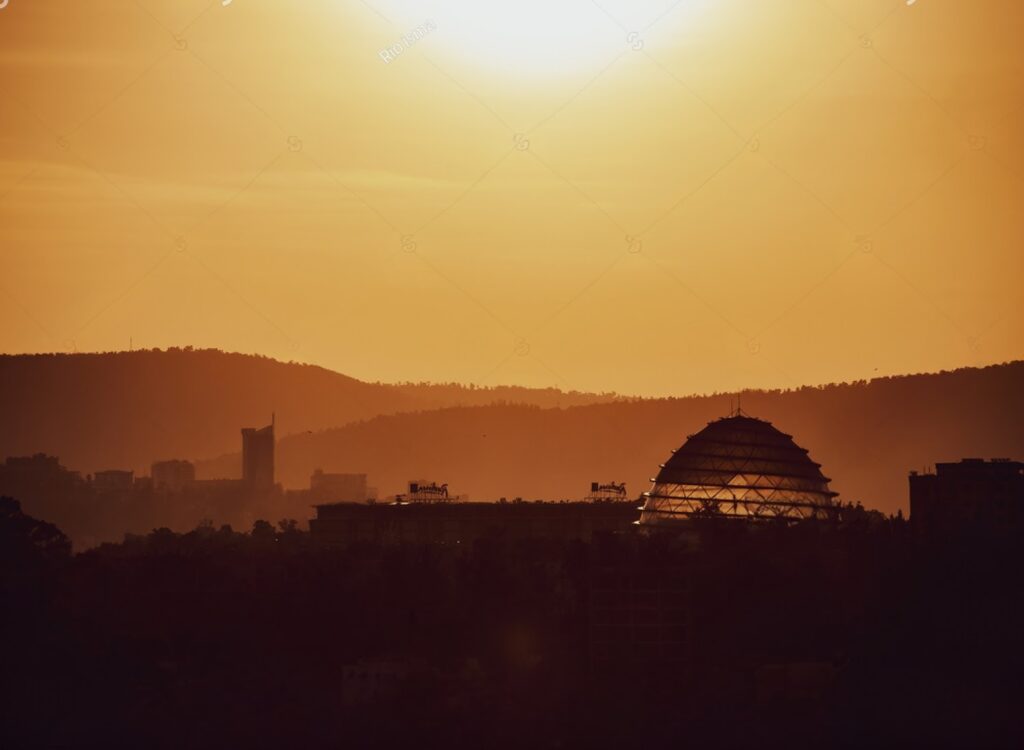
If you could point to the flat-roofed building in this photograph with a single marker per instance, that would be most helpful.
(969, 494)
(337, 488)
(113, 480)
(464, 523)
(173, 475)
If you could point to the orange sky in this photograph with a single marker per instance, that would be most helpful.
(648, 196)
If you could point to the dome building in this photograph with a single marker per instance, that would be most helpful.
(739, 467)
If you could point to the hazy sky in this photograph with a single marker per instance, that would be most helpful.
(647, 196)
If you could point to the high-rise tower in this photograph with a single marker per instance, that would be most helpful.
(258, 455)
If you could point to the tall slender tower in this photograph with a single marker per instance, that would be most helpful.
(258, 455)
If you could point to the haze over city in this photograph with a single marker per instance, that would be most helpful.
(468, 373)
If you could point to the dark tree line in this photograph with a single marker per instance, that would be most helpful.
(856, 636)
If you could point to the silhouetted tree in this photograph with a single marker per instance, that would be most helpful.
(263, 531)
(24, 539)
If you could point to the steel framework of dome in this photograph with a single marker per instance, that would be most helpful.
(739, 467)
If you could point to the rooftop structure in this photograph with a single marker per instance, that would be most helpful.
(610, 492)
(424, 491)
(739, 467)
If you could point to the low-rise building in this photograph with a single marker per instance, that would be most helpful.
(337, 488)
(114, 480)
(173, 475)
(464, 523)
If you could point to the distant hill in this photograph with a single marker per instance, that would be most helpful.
(126, 409)
(868, 437)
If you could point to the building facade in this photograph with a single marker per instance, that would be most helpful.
(972, 493)
(114, 480)
(337, 488)
(258, 456)
(464, 523)
(172, 476)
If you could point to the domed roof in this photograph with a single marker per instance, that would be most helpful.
(739, 467)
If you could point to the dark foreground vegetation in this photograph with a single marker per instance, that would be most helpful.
(803, 636)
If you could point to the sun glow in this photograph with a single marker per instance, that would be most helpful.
(533, 36)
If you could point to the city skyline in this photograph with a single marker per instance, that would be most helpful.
(126, 410)
(487, 374)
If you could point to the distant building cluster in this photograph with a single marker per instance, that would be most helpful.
(178, 477)
(27, 476)
(107, 504)
(737, 468)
